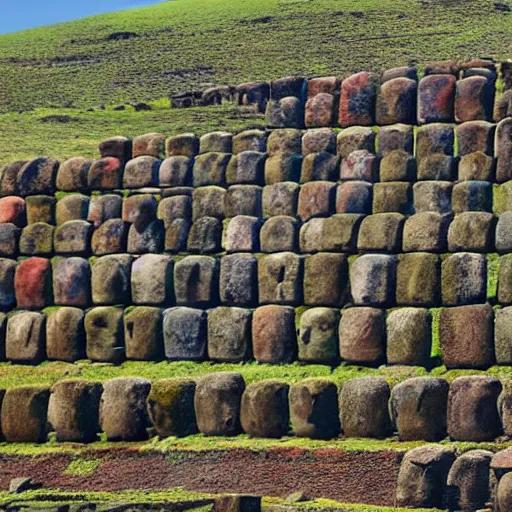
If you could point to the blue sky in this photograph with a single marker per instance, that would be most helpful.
(22, 14)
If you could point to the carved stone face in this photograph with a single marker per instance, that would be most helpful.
(318, 335)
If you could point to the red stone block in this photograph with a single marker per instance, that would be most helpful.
(33, 283)
(12, 210)
(105, 173)
(357, 103)
(436, 95)
(473, 99)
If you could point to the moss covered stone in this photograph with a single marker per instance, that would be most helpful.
(151, 144)
(318, 336)
(381, 232)
(65, 334)
(280, 199)
(185, 144)
(72, 237)
(40, 209)
(355, 138)
(71, 207)
(143, 334)
(425, 231)
(36, 239)
(104, 330)
(103, 208)
(210, 169)
(397, 165)
(279, 233)
(418, 279)
(472, 231)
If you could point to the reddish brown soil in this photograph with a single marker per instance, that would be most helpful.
(364, 477)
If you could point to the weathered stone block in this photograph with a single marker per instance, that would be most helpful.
(397, 165)
(472, 409)
(319, 140)
(320, 110)
(72, 207)
(72, 174)
(247, 167)
(363, 404)
(73, 410)
(25, 413)
(151, 144)
(205, 236)
(409, 337)
(185, 144)
(72, 237)
(104, 332)
(40, 209)
(392, 197)
(337, 233)
(503, 336)
(472, 196)
(143, 333)
(37, 177)
(434, 139)
(185, 334)
(33, 283)
(396, 101)
(72, 282)
(123, 415)
(12, 210)
(210, 169)
(476, 166)
(418, 279)
(280, 278)
(7, 293)
(110, 237)
(170, 407)
(142, 171)
(151, 280)
(196, 280)
(175, 207)
(110, 281)
(437, 167)
(242, 234)
(116, 147)
(475, 136)
(396, 137)
(464, 278)
(360, 165)
(287, 141)
(8, 178)
(422, 476)
(325, 279)
(9, 236)
(176, 171)
(318, 336)
(474, 99)
(372, 280)
(504, 232)
(418, 408)
(176, 235)
(472, 231)
(282, 167)
(362, 335)
(273, 334)
(25, 338)
(243, 200)
(314, 409)
(139, 210)
(381, 232)
(433, 196)
(425, 231)
(404, 71)
(280, 233)
(280, 199)
(354, 139)
(436, 97)
(218, 142)
(316, 199)
(65, 335)
(466, 336)
(105, 174)
(229, 334)
(357, 102)
(285, 112)
(148, 239)
(238, 280)
(103, 208)
(503, 150)
(249, 140)
(36, 239)
(217, 403)
(208, 202)
(265, 410)
(354, 197)
(320, 167)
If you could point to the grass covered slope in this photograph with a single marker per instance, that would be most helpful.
(180, 44)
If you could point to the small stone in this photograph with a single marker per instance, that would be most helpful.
(104, 331)
(37, 177)
(363, 404)
(73, 410)
(243, 200)
(36, 239)
(123, 415)
(280, 199)
(103, 208)
(246, 168)
(185, 144)
(65, 335)
(217, 403)
(142, 171)
(425, 231)
(372, 280)
(25, 338)
(273, 334)
(464, 278)
(314, 409)
(71, 207)
(105, 174)
(354, 197)
(360, 165)
(110, 237)
(396, 101)
(418, 279)
(143, 334)
(436, 96)
(238, 280)
(287, 141)
(409, 337)
(316, 199)
(40, 209)
(210, 169)
(358, 97)
(418, 409)
(472, 409)
(208, 202)
(170, 407)
(265, 411)
(355, 138)
(362, 335)
(33, 283)
(110, 280)
(72, 237)
(242, 234)
(185, 334)
(472, 231)
(12, 210)
(151, 144)
(24, 414)
(318, 336)
(176, 235)
(72, 282)
(433, 196)
(280, 279)
(196, 281)
(279, 233)
(176, 171)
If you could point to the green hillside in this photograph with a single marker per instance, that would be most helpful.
(181, 44)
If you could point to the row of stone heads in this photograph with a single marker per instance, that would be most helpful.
(395, 153)
(449, 91)
(272, 334)
(474, 409)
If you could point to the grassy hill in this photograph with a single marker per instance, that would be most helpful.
(148, 53)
